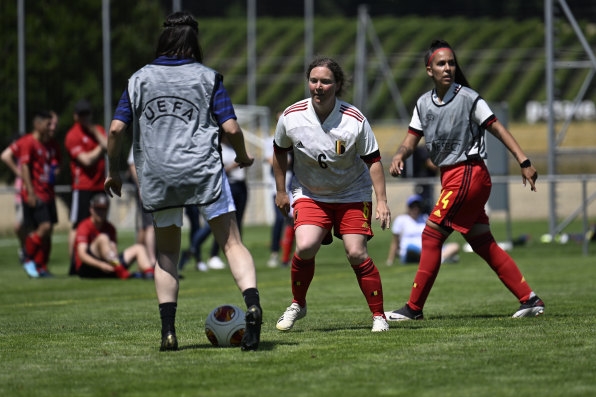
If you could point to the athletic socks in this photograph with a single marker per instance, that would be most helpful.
(430, 263)
(167, 313)
(487, 248)
(287, 243)
(33, 249)
(301, 273)
(251, 297)
(369, 281)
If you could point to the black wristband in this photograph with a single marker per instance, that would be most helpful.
(526, 163)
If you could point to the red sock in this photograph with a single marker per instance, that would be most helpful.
(121, 272)
(502, 264)
(287, 243)
(32, 246)
(46, 249)
(302, 273)
(369, 281)
(428, 269)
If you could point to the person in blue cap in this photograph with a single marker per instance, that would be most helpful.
(407, 235)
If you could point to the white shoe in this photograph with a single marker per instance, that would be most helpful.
(379, 324)
(216, 263)
(31, 269)
(293, 312)
(202, 266)
(273, 260)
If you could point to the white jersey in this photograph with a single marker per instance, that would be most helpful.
(328, 156)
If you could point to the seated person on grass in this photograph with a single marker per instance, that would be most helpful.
(96, 251)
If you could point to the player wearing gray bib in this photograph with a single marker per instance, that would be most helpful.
(452, 119)
(177, 106)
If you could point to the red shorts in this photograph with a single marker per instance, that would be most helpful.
(464, 193)
(344, 218)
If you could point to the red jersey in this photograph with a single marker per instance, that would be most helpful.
(87, 232)
(77, 141)
(40, 158)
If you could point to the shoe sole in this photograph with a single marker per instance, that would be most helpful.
(531, 312)
(281, 328)
(391, 316)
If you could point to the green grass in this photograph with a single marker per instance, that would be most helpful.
(71, 337)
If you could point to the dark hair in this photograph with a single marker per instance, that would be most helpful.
(460, 78)
(180, 37)
(42, 114)
(331, 64)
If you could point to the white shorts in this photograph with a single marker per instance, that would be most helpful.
(174, 216)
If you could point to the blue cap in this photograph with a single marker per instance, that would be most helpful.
(415, 198)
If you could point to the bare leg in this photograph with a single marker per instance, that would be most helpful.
(168, 240)
(225, 231)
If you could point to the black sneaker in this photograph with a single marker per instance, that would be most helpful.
(531, 308)
(252, 332)
(169, 342)
(405, 313)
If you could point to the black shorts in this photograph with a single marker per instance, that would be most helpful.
(79, 206)
(41, 213)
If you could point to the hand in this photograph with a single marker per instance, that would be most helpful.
(246, 161)
(282, 201)
(383, 214)
(529, 174)
(113, 184)
(397, 166)
(31, 200)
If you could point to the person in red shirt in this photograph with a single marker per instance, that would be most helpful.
(96, 248)
(38, 156)
(10, 156)
(85, 143)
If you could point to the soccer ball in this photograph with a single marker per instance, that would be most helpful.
(224, 326)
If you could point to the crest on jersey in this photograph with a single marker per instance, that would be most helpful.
(340, 147)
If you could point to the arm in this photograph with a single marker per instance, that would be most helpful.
(91, 260)
(378, 181)
(87, 159)
(236, 138)
(26, 177)
(8, 159)
(501, 133)
(113, 182)
(393, 249)
(280, 167)
(404, 151)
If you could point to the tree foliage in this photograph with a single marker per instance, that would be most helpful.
(64, 58)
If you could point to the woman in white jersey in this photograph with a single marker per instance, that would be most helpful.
(336, 166)
(452, 119)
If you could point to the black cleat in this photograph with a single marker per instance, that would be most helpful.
(169, 342)
(252, 332)
(532, 308)
(404, 314)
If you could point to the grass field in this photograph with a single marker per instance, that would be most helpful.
(69, 337)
